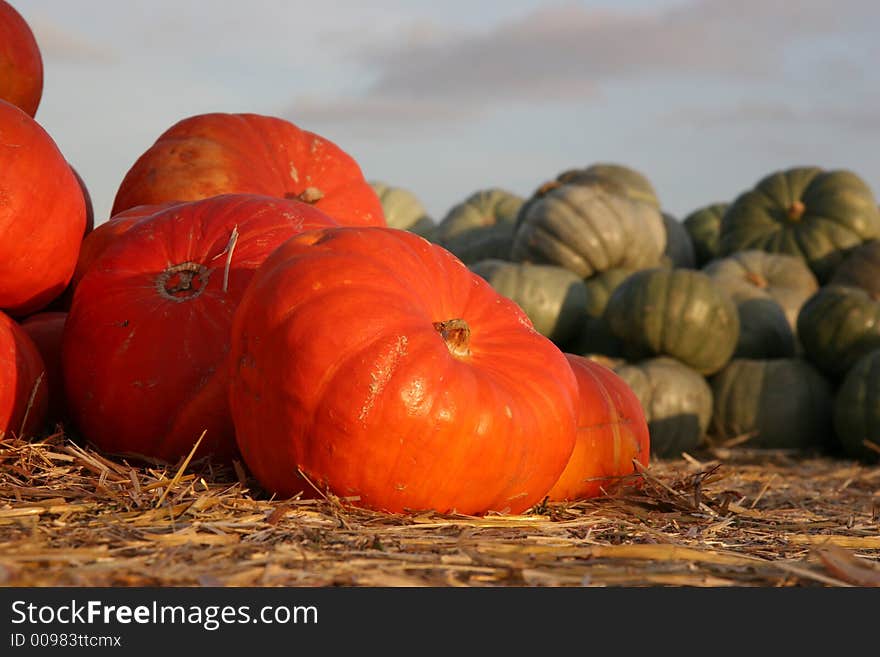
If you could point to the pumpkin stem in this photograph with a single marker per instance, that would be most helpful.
(457, 336)
(796, 211)
(309, 195)
(183, 282)
(547, 187)
(756, 279)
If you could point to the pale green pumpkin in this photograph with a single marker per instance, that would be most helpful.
(481, 226)
(620, 178)
(588, 229)
(403, 209)
(676, 399)
(554, 298)
(769, 290)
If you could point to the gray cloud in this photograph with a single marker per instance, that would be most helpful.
(567, 52)
(366, 111)
(857, 118)
(63, 44)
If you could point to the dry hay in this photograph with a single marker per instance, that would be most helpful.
(70, 516)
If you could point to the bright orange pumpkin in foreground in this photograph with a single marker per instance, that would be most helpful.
(380, 366)
(42, 215)
(21, 64)
(23, 386)
(145, 345)
(210, 154)
(611, 432)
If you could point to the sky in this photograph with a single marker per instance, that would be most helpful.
(704, 97)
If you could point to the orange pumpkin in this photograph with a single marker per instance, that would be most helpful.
(23, 386)
(21, 64)
(46, 330)
(87, 197)
(61, 303)
(377, 364)
(145, 345)
(42, 215)
(210, 154)
(106, 233)
(612, 432)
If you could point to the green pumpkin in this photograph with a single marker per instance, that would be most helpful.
(587, 229)
(764, 331)
(785, 402)
(594, 336)
(554, 298)
(785, 279)
(704, 227)
(857, 409)
(861, 268)
(675, 312)
(615, 178)
(838, 325)
(623, 179)
(807, 212)
(677, 402)
(481, 226)
(403, 209)
(679, 250)
(769, 290)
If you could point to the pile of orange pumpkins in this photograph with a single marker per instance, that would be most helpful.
(247, 299)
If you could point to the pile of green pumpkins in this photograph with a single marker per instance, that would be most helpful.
(752, 322)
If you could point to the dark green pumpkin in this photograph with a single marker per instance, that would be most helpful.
(784, 403)
(554, 298)
(704, 227)
(807, 212)
(481, 226)
(594, 336)
(764, 331)
(861, 268)
(675, 312)
(857, 409)
(677, 402)
(679, 250)
(587, 229)
(838, 325)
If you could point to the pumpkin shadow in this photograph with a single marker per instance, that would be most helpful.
(670, 436)
(764, 330)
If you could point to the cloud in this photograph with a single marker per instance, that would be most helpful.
(370, 110)
(62, 44)
(568, 52)
(858, 118)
